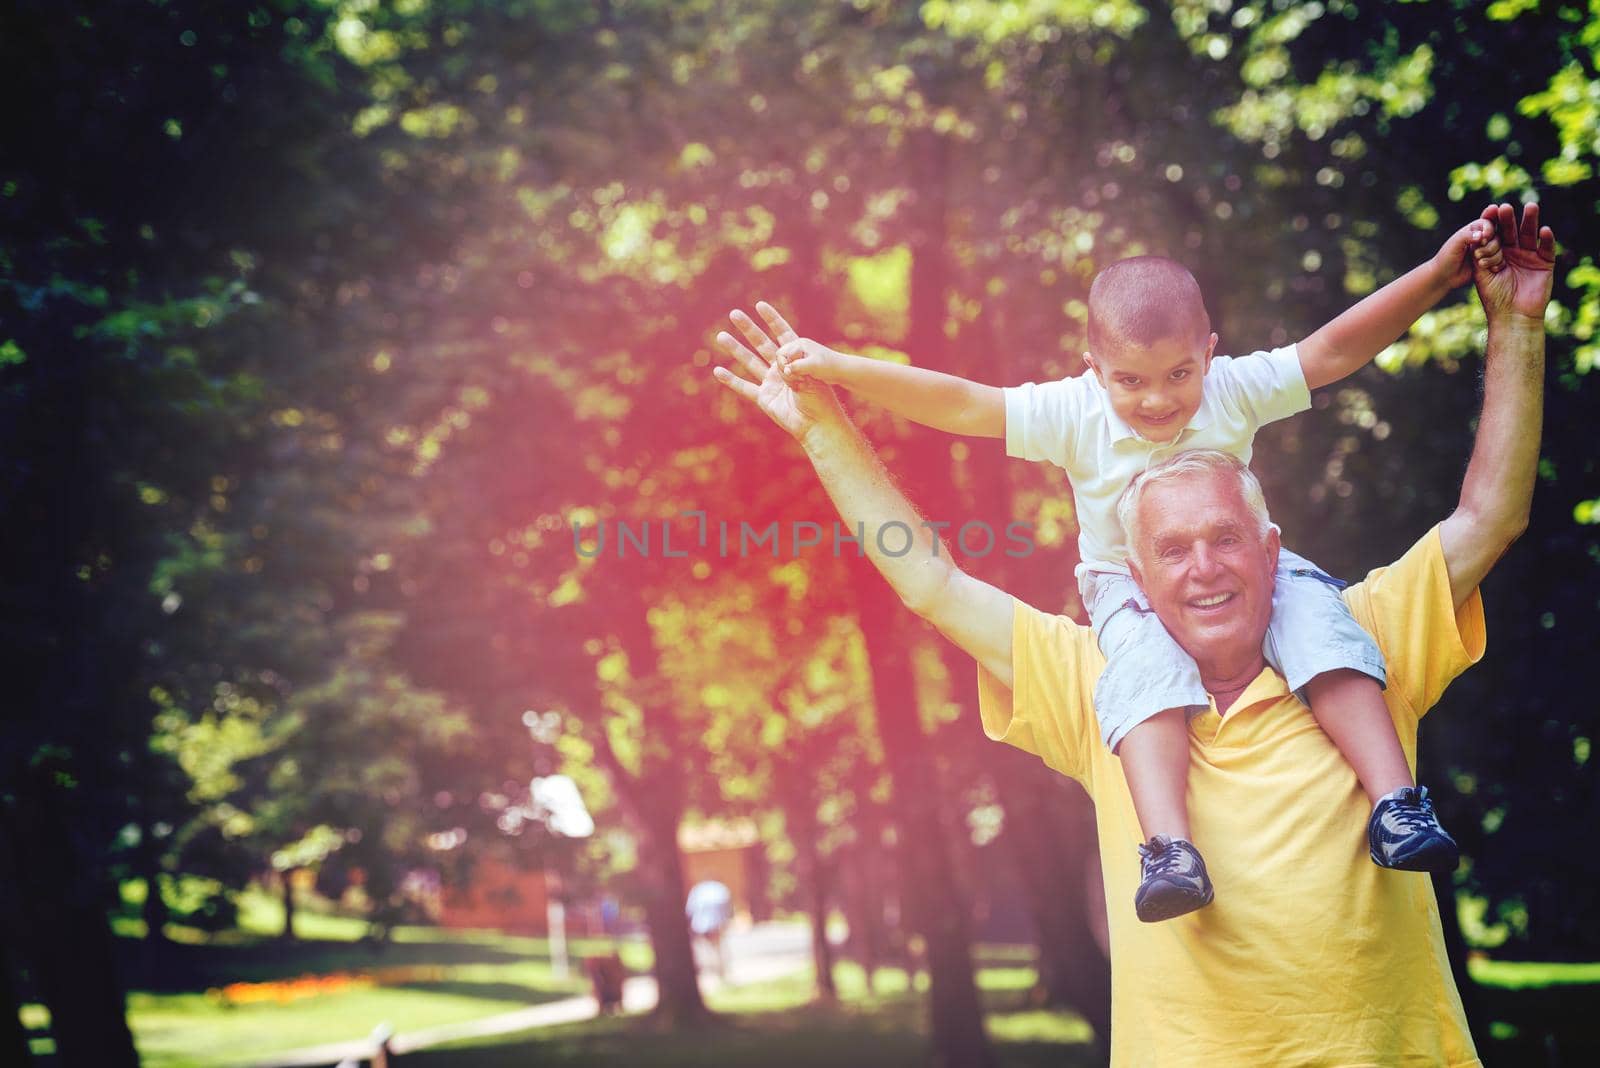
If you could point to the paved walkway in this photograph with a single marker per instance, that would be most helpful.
(767, 951)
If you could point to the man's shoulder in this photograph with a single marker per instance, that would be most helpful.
(1408, 608)
(1054, 650)
(1048, 709)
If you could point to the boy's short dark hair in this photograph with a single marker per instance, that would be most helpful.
(1145, 300)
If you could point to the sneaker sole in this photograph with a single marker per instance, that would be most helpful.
(1430, 861)
(1157, 911)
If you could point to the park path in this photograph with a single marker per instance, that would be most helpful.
(765, 951)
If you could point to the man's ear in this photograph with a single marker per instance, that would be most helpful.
(1274, 543)
(1133, 569)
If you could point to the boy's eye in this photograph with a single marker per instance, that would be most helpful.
(1180, 374)
(1130, 382)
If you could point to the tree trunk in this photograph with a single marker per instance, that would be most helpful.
(800, 814)
(287, 934)
(821, 950)
(864, 900)
(12, 1035)
(155, 909)
(679, 1003)
(1049, 829)
(933, 900)
(69, 950)
(1049, 833)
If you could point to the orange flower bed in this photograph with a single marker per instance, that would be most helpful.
(283, 991)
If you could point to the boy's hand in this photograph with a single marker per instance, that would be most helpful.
(1474, 245)
(1522, 285)
(804, 358)
(796, 404)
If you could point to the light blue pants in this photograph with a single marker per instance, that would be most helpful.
(1146, 672)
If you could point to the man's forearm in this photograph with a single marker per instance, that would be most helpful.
(1497, 491)
(1498, 487)
(931, 398)
(1352, 339)
(909, 554)
(974, 615)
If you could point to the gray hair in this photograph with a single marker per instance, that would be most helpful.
(1187, 465)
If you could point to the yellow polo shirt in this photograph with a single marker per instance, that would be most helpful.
(1310, 954)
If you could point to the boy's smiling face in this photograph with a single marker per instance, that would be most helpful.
(1155, 388)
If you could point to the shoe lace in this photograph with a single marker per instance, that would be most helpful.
(1413, 811)
(1162, 858)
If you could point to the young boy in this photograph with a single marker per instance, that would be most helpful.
(1152, 387)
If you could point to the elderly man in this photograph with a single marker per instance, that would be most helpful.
(1282, 970)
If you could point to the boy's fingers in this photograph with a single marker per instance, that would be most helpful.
(780, 326)
(745, 389)
(751, 362)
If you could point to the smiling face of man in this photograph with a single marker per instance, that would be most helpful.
(1201, 557)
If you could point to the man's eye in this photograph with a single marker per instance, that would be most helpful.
(1172, 553)
(1228, 541)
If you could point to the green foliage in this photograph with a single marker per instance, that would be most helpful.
(325, 320)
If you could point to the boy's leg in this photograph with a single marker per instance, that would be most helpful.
(1337, 669)
(1348, 706)
(1141, 699)
(1155, 761)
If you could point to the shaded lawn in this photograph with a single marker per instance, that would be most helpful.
(428, 977)
(460, 982)
(463, 975)
(796, 1038)
(777, 1024)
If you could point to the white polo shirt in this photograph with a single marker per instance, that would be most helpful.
(1071, 424)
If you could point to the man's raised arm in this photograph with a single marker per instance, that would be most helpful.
(1497, 493)
(973, 614)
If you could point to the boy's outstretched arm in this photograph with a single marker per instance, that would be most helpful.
(1351, 340)
(931, 398)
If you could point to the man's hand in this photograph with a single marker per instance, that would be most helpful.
(1474, 245)
(798, 404)
(1522, 286)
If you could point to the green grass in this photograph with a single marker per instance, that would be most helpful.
(472, 974)
(1523, 975)
(456, 976)
(179, 1021)
(191, 1031)
(777, 1024)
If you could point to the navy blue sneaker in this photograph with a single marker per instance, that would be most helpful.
(1404, 834)
(1174, 880)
